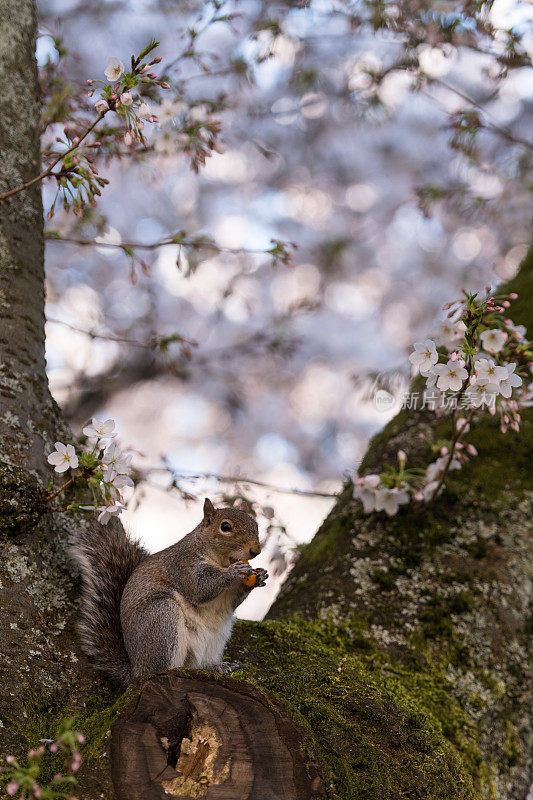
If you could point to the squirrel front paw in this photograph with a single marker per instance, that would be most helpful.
(261, 576)
(239, 570)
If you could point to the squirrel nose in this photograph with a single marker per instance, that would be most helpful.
(253, 552)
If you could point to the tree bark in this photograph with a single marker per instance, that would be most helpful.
(40, 667)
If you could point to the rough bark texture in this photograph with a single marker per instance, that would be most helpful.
(28, 415)
(39, 670)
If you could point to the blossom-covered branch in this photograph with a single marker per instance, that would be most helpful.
(78, 180)
(104, 471)
(483, 359)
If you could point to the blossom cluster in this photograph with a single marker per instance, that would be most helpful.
(481, 360)
(77, 177)
(29, 782)
(123, 93)
(104, 468)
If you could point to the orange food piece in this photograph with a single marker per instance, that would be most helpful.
(249, 580)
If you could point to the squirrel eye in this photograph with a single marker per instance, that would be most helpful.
(226, 526)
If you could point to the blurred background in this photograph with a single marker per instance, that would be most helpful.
(388, 142)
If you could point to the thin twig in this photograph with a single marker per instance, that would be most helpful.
(499, 129)
(241, 479)
(61, 488)
(192, 243)
(109, 337)
(48, 171)
(456, 438)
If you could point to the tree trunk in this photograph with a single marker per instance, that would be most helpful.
(40, 671)
(399, 646)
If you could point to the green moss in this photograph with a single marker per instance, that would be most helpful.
(382, 728)
(511, 747)
(331, 534)
(384, 579)
(45, 712)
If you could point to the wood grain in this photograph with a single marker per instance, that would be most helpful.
(192, 736)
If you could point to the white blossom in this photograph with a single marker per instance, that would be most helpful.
(365, 490)
(488, 374)
(64, 457)
(493, 340)
(428, 490)
(435, 470)
(518, 330)
(451, 332)
(106, 512)
(450, 375)
(144, 111)
(510, 382)
(424, 356)
(126, 98)
(115, 459)
(101, 105)
(114, 69)
(390, 500)
(117, 479)
(481, 396)
(431, 379)
(100, 429)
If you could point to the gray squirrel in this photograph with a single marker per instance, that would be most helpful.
(142, 613)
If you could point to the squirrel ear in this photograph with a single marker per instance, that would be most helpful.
(209, 510)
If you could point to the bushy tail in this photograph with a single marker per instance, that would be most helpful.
(106, 557)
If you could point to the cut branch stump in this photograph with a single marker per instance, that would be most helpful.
(191, 736)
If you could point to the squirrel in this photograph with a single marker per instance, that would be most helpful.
(142, 613)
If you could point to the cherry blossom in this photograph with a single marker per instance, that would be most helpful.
(481, 396)
(428, 490)
(144, 111)
(114, 69)
(424, 356)
(115, 459)
(510, 382)
(101, 105)
(434, 470)
(493, 340)
(450, 332)
(119, 480)
(126, 98)
(100, 429)
(64, 457)
(106, 512)
(390, 500)
(365, 490)
(451, 375)
(488, 374)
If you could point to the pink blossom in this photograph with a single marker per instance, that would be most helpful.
(12, 787)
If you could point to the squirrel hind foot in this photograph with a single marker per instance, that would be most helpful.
(227, 667)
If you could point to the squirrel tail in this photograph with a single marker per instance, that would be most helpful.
(106, 557)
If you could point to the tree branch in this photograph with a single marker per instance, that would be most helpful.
(48, 171)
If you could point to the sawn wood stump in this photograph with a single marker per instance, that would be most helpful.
(188, 735)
